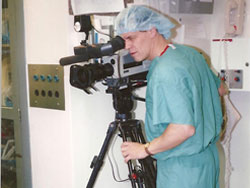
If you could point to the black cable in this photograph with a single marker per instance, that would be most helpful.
(138, 98)
(112, 166)
(113, 172)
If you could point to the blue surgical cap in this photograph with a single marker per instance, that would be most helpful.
(142, 18)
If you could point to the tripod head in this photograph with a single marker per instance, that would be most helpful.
(122, 93)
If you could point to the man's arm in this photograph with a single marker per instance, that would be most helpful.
(174, 135)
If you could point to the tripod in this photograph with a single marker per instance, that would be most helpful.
(130, 129)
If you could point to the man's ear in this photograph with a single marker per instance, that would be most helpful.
(153, 32)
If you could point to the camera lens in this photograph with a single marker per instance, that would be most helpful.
(84, 76)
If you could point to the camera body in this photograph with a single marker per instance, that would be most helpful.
(124, 65)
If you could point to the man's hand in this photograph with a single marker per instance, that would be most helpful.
(223, 90)
(133, 150)
(174, 135)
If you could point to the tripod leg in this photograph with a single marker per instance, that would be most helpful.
(147, 163)
(130, 167)
(132, 129)
(98, 161)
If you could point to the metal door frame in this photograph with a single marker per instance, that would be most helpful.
(19, 112)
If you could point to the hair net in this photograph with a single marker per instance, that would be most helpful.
(142, 18)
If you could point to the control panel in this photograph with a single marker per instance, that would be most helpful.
(231, 59)
(46, 86)
(234, 78)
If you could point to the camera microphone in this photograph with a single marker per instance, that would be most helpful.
(86, 52)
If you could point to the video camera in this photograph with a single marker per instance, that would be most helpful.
(116, 65)
(112, 65)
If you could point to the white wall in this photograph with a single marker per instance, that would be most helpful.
(47, 40)
(239, 151)
(63, 143)
(240, 143)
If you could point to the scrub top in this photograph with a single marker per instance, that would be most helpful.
(182, 89)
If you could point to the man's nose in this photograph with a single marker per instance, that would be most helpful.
(127, 44)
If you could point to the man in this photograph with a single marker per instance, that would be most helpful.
(183, 110)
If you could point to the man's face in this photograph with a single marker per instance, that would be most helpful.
(138, 44)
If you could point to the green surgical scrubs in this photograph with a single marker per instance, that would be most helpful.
(182, 89)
